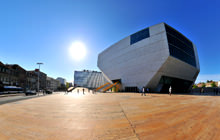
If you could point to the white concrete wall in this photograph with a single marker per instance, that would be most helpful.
(135, 64)
(174, 68)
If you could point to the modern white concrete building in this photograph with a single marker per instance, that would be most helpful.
(156, 57)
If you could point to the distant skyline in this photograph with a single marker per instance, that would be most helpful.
(43, 30)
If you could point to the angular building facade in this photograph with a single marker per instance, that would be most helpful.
(88, 79)
(156, 57)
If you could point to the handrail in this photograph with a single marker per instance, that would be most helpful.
(110, 86)
(102, 86)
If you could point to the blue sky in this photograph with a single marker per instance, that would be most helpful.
(34, 31)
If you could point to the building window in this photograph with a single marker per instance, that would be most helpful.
(139, 36)
(180, 47)
(179, 54)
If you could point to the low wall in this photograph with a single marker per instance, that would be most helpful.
(206, 90)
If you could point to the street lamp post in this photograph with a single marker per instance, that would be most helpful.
(38, 84)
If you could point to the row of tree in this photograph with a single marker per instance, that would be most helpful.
(213, 84)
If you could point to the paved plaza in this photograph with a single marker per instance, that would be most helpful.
(105, 116)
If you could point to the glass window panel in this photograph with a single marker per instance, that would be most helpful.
(180, 47)
(139, 36)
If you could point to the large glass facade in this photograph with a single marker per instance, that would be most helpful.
(89, 79)
(180, 47)
(139, 36)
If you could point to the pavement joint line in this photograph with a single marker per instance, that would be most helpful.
(129, 122)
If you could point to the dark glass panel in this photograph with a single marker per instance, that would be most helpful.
(176, 42)
(139, 36)
(178, 35)
(180, 47)
(177, 85)
(177, 53)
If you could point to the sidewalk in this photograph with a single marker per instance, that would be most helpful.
(14, 94)
(20, 94)
(4, 99)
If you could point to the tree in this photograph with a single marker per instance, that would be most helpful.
(62, 87)
(203, 85)
(213, 84)
(195, 86)
(67, 85)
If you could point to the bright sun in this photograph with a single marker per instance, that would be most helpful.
(77, 51)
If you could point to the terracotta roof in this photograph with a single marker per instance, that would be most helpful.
(14, 66)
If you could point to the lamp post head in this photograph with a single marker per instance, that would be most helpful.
(40, 63)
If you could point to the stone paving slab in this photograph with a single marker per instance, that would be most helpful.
(125, 116)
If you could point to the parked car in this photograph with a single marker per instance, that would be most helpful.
(30, 92)
(49, 92)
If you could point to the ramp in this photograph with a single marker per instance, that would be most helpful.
(102, 87)
(70, 89)
(110, 86)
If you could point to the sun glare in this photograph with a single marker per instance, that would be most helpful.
(77, 51)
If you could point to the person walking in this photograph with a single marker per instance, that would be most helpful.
(148, 91)
(170, 90)
(202, 90)
(66, 92)
(83, 91)
(78, 91)
(143, 92)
